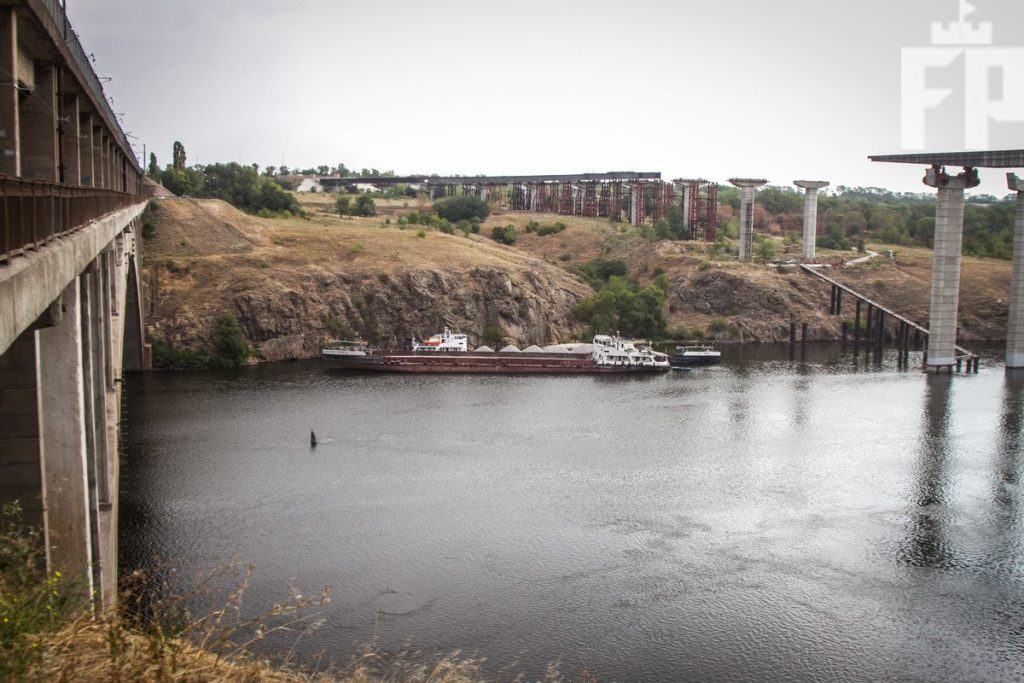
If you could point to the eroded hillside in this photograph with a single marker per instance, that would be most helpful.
(293, 284)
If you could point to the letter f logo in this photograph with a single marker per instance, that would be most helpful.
(916, 97)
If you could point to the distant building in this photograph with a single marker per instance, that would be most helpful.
(309, 185)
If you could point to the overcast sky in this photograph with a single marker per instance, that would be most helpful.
(779, 89)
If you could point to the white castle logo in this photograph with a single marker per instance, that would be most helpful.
(993, 81)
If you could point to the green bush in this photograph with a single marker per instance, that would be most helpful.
(464, 207)
(148, 230)
(620, 306)
(598, 271)
(343, 205)
(421, 233)
(238, 185)
(504, 235)
(494, 334)
(364, 206)
(33, 602)
(552, 229)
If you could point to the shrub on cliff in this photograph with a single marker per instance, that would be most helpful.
(465, 207)
(620, 306)
(504, 234)
(598, 271)
(229, 341)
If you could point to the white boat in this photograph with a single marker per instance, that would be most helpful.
(614, 350)
(696, 355)
(447, 341)
(347, 350)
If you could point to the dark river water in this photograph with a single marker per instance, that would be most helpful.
(825, 518)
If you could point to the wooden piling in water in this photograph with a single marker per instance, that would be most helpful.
(803, 333)
(856, 322)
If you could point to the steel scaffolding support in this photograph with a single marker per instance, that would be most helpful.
(711, 214)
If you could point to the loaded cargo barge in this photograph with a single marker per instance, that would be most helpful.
(447, 353)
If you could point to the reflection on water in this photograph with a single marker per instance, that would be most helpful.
(826, 517)
(926, 546)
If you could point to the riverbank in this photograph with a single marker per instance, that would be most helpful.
(293, 284)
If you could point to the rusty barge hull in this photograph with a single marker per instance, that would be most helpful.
(498, 363)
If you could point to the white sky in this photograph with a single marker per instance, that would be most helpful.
(782, 90)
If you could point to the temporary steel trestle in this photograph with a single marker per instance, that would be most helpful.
(875, 319)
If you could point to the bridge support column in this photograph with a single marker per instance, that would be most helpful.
(96, 371)
(20, 472)
(1015, 324)
(949, 228)
(748, 187)
(65, 460)
(810, 214)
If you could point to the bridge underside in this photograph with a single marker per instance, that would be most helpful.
(70, 325)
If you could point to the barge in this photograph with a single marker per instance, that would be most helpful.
(607, 354)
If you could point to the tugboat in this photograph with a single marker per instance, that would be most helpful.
(686, 356)
(347, 350)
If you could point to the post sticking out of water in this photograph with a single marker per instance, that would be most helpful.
(312, 439)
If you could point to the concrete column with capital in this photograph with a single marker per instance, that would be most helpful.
(810, 214)
(945, 295)
(1015, 324)
(748, 187)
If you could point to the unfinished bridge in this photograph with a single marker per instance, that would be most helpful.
(633, 196)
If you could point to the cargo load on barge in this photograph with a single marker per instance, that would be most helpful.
(448, 353)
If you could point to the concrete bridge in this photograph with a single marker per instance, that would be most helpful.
(70, 302)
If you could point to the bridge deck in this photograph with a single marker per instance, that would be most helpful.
(961, 351)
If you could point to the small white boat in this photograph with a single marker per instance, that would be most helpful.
(347, 350)
(696, 355)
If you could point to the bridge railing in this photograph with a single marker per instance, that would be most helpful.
(33, 212)
(60, 19)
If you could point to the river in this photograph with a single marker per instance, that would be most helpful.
(820, 517)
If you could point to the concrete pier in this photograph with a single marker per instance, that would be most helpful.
(749, 188)
(1015, 324)
(945, 295)
(810, 214)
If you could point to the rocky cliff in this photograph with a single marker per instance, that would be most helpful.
(292, 288)
(294, 284)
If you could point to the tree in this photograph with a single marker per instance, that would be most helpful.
(344, 205)
(464, 207)
(677, 222)
(229, 340)
(154, 169)
(620, 306)
(364, 206)
(342, 171)
(322, 170)
(269, 171)
(178, 158)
